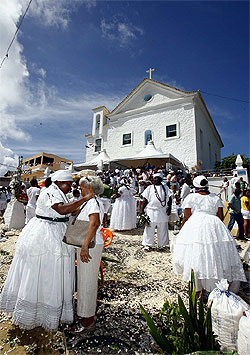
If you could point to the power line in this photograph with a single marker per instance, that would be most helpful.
(225, 97)
(18, 27)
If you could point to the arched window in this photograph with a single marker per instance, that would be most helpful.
(148, 136)
(98, 119)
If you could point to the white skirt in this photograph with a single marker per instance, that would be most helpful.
(123, 215)
(40, 283)
(205, 245)
(245, 214)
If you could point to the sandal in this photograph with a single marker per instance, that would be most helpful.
(79, 329)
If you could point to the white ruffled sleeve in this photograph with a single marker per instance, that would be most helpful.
(188, 202)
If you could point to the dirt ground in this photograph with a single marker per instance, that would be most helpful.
(139, 277)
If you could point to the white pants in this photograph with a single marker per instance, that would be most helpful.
(87, 282)
(162, 234)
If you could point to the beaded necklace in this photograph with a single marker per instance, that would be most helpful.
(162, 202)
(202, 190)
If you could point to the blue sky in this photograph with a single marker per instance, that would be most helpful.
(72, 56)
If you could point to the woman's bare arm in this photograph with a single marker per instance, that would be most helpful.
(187, 214)
(220, 213)
(70, 207)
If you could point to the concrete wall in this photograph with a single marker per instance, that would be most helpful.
(210, 141)
(182, 146)
(216, 182)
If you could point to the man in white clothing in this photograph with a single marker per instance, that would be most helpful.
(185, 189)
(33, 193)
(233, 182)
(157, 204)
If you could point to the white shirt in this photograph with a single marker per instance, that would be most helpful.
(154, 209)
(93, 207)
(185, 190)
(32, 193)
(234, 180)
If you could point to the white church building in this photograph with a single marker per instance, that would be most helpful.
(155, 123)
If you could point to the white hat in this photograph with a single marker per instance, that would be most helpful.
(62, 175)
(158, 174)
(200, 181)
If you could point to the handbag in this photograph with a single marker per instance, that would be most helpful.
(77, 230)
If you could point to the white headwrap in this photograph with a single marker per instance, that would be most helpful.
(197, 181)
(158, 174)
(62, 175)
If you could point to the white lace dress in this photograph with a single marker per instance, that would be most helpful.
(40, 283)
(123, 215)
(205, 245)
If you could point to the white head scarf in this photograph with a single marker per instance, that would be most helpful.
(197, 181)
(158, 174)
(61, 175)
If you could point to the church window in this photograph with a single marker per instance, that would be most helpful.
(148, 136)
(126, 139)
(98, 145)
(98, 119)
(209, 152)
(148, 97)
(171, 131)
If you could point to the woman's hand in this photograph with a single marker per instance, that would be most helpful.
(84, 254)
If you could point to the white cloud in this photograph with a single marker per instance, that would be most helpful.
(14, 73)
(8, 161)
(56, 12)
(51, 12)
(218, 111)
(18, 95)
(42, 72)
(123, 33)
(90, 4)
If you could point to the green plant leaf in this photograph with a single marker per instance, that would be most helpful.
(201, 329)
(158, 337)
(208, 329)
(187, 319)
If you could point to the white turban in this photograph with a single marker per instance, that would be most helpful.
(62, 175)
(200, 181)
(158, 174)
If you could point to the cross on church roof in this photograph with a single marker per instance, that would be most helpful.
(150, 72)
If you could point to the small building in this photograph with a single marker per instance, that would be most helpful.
(35, 166)
(177, 122)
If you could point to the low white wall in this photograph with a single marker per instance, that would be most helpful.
(215, 184)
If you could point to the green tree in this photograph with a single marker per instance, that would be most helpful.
(229, 162)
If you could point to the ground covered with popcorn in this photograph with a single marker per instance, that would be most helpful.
(139, 277)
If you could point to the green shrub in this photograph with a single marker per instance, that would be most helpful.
(183, 331)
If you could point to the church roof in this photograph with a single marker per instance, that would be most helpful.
(154, 81)
(99, 107)
(172, 88)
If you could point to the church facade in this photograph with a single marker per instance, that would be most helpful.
(178, 123)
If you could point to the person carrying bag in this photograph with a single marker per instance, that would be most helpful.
(88, 259)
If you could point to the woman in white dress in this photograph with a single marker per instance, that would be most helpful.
(123, 215)
(40, 283)
(204, 243)
(88, 260)
(33, 193)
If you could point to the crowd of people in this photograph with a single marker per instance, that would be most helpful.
(40, 284)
